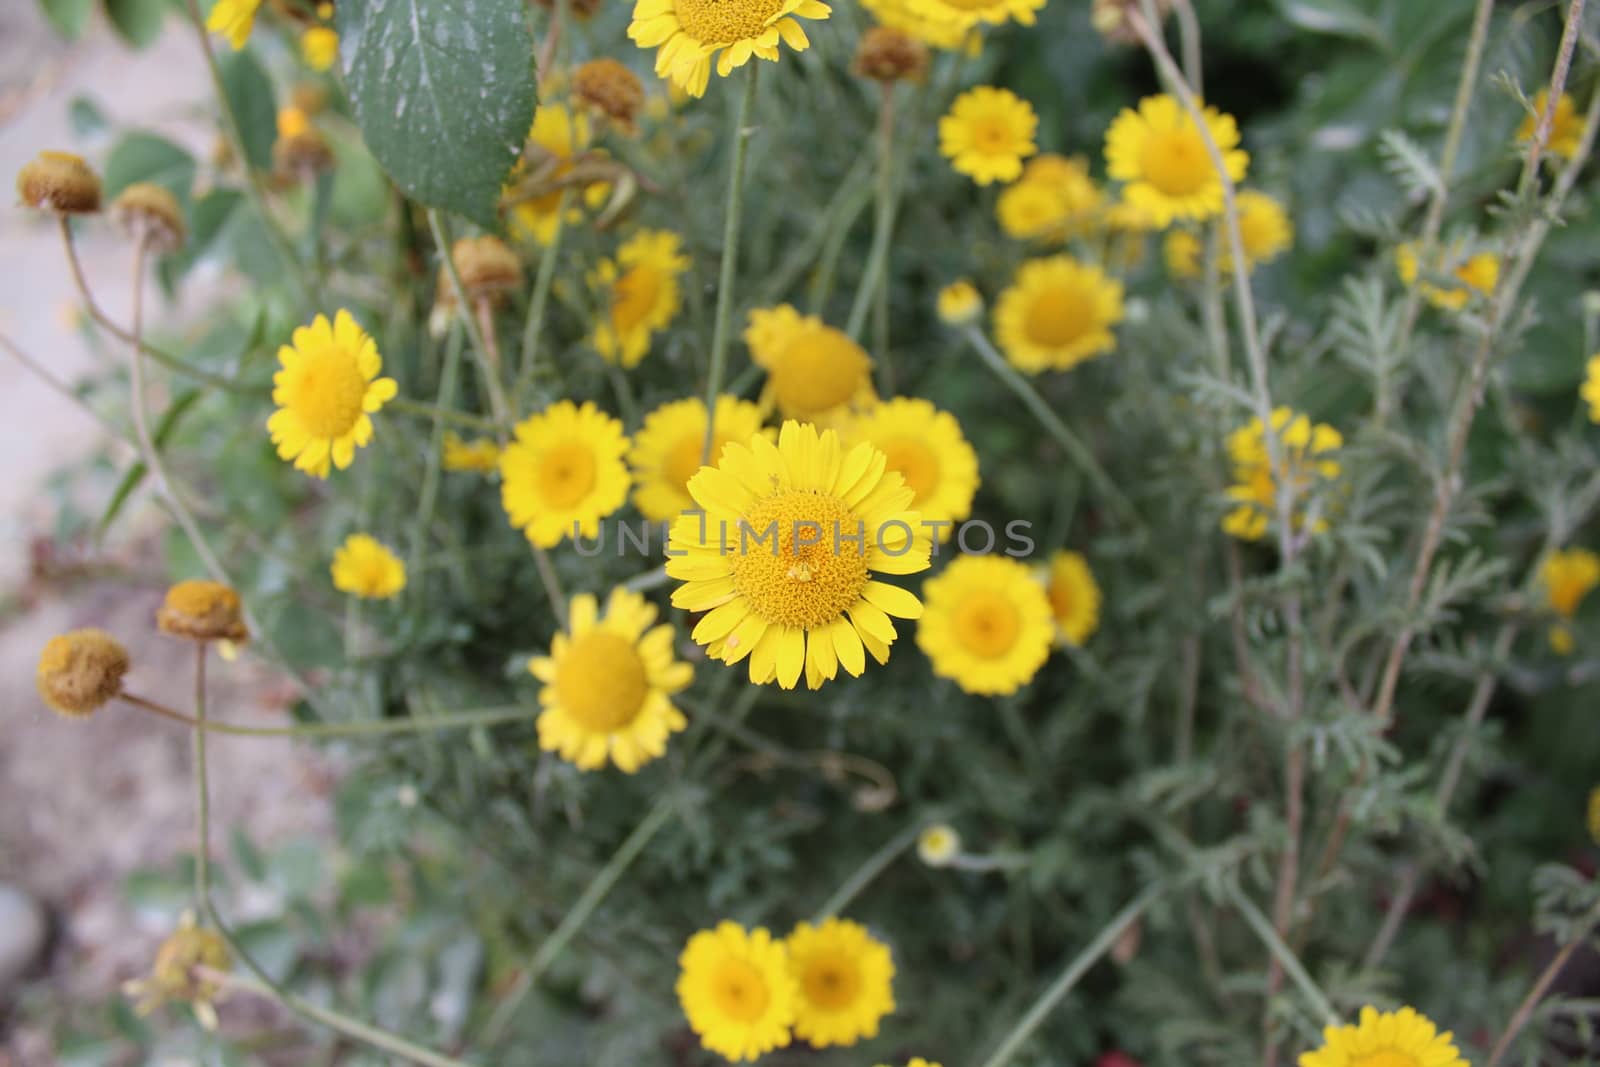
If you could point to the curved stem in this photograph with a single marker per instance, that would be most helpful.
(730, 258)
(533, 327)
(875, 276)
(1280, 951)
(330, 730)
(1541, 987)
(875, 865)
(434, 411)
(487, 363)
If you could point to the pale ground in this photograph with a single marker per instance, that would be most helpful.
(84, 803)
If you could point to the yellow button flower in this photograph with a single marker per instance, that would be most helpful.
(365, 567)
(988, 133)
(689, 34)
(326, 394)
(987, 625)
(845, 981)
(1401, 1038)
(667, 449)
(564, 473)
(814, 372)
(924, 446)
(1057, 314)
(1162, 156)
(641, 286)
(736, 991)
(202, 610)
(1074, 597)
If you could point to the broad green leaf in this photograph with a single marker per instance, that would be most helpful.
(144, 157)
(69, 17)
(250, 95)
(444, 93)
(85, 116)
(137, 21)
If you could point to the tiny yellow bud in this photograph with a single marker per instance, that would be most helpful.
(938, 845)
(80, 671)
(960, 304)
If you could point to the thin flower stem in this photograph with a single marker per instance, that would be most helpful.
(533, 326)
(1541, 987)
(730, 258)
(429, 495)
(585, 906)
(1073, 973)
(875, 865)
(38, 370)
(1075, 449)
(440, 414)
(876, 274)
(333, 730)
(1280, 952)
(487, 364)
(552, 584)
(1189, 27)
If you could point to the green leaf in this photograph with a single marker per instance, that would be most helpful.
(137, 21)
(85, 116)
(69, 17)
(444, 93)
(144, 157)
(250, 95)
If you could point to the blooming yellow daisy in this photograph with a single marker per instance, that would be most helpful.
(1057, 313)
(924, 446)
(608, 685)
(1161, 154)
(558, 136)
(319, 47)
(564, 472)
(1385, 1039)
(736, 990)
(1478, 275)
(481, 456)
(326, 394)
(814, 372)
(987, 624)
(905, 16)
(1265, 230)
(1590, 390)
(1182, 250)
(1308, 456)
(1074, 597)
(668, 447)
(988, 133)
(234, 19)
(845, 980)
(960, 304)
(1594, 814)
(782, 559)
(964, 15)
(365, 567)
(690, 33)
(1054, 199)
(1567, 577)
(643, 293)
(1566, 125)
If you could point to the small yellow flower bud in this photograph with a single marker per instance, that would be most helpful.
(610, 88)
(80, 671)
(202, 610)
(1110, 18)
(148, 212)
(960, 304)
(888, 55)
(319, 47)
(938, 845)
(60, 182)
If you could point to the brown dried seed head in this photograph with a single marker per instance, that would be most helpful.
(150, 212)
(60, 182)
(610, 88)
(488, 267)
(81, 670)
(886, 54)
(202, 611)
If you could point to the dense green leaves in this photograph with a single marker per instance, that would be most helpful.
(444, 92)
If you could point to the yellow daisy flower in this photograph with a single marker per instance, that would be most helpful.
(905, 16)
(1567, 577)
(690, 33)
(782, 558)
(1401, 1038)
(667, 450)
(845, 980)
(558, 136)
(988, 133)
(960, 304)
(736, 990)
(326, 394)
(1478, 274)
(1590, 390)
(1265, 230)
(1566, 125)
(987, 624)
(1308, 454)
(319, 47)
(608, 685)
(1054, 199)
(814, 372)
(365, 567)
(234, 19)
(1183, 250)
(1594, 814)
(643, 294)
(924, 446)
(1058, 313)
(564, 472)
(964, 15)
(1074, 597)
(1161, 154)
(481, 456)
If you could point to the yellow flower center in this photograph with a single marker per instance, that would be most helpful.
(917, 464)
(726, 21)
(566, 474)
(326, 392)
(1175, 161)
(830, 982)
(633, 296)
(794, 564)
(1385, 1057)
(683, 461)
(1060, 316)
(987, 624)
(739, 990)
(601, 681)
(817, 371)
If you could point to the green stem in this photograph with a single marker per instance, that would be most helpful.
(1070, 976)
(552, 584)
(329, 730)
(875, 865)
(730, 258)
(596, 892)
(876, 272)
(1280, 951)
(533, 326)
(1075, 449)
(430, 477)
(432, 411)
(480, 347)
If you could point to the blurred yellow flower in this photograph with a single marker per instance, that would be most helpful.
(558, 136)
(688, 34)
(608, 685)
(937, 31)
(1265, 230)
(1183, 250)
(960, 304)
(234, 19)
(924, 446)
(1161, 154)
(1057, 314)
(564, 473)
(174, 975)
(964, 15)
(1590, 390)
(326, 392)
(987, 624)
(988, 133)
(481, 456)
(367, 568)
(1054, 199)
(319, 47)
(736, 990)
(642, 290)
(667, 449)
(1567, 577)
(1479, 274)
(1074, 597)
(1566, 125)
(1307, 451)
(782, 559)
(1401, 1038)
(938, 844)
(844, 977)
(814, 372)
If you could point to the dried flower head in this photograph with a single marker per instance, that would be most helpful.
(175, 973)
(609, 87)
(79, 671)
(1110, 18)
(150, 213)
(308, 98)
(300, 152)
(202, 611)
(60, 182)
(886, 54)
(487, 266)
